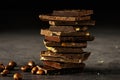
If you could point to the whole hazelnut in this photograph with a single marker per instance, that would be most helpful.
(12, 63)
(17, 76)
(3, 74)
(25, 68)
(40, 72)
(6, 71)
(34, 70)
(31, 63)
(9, 67)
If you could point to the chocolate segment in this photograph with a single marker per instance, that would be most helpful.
(60, 65)
(65, 44)
(47, 32)
(72, 12)
(53, 71)
(72, 23)
(61, 18)
(65, 50)
(60, 57)
(69, 39)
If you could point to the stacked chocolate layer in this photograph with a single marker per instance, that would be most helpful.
(66, 38)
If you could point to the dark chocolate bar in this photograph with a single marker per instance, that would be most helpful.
(69, 39)
(47, 32)
(65, 49)
(72, 12)
(53, 71)
(66, 29)
(60, 18)
(60, 65)
(72, 23)
(66, 58)
(83, 55)
(65, 44)
(60, 59)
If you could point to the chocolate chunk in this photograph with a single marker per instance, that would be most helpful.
(65, 44)
(52, 71)
(66, 29)
(72, 12)
(65, 59)
(72, 23)
(65, 50)
(69, 39)
(60, 65)
(60, 57)
(47, 32)
(61, 18)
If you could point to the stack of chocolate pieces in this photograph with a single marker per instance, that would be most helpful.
(65, 40)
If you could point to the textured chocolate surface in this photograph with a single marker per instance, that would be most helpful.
(60, 65)
(73, 23)
(72, 12)
(65, 44)
(69, 39)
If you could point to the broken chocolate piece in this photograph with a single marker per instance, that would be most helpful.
(47, 32)
(69, 55)
(72, 23)
(60, 65)
(72, 12)
(65, 44)
(65, 50)
(69, 39)
(61, 18)
(52, 71)
(60, 57)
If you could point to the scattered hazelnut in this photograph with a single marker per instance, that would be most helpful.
(40, 72)
(34, 70)
(3, 74)
(25, 68)
(6, 71)
(17, 76)
(31, 63)
(12, 63)
(9, 67)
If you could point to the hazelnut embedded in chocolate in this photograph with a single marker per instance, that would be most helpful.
(17, 76)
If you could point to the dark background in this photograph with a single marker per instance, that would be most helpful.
(20, 38)
(21, 14)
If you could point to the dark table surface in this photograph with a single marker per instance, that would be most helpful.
(22, 46)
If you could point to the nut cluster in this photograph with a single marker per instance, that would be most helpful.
(29, 67)
(5, 69)
(32, 67)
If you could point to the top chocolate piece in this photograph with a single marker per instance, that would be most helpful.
(72, 13)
